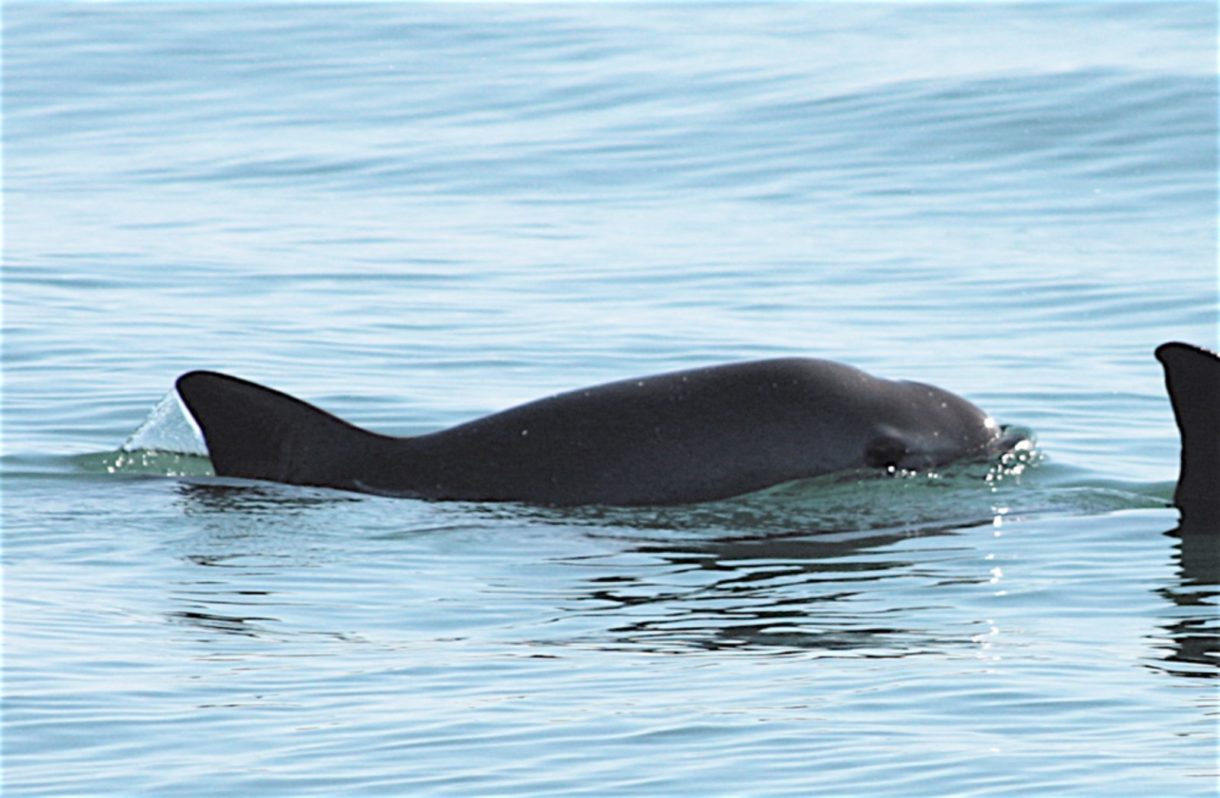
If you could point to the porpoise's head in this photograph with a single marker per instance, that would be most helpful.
(923, 426)
(860, 420)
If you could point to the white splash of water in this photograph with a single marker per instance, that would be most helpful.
(168, 428)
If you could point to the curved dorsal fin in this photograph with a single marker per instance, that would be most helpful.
(1192, 375)
(256, 432)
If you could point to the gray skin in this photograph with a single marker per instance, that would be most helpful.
(677, 438)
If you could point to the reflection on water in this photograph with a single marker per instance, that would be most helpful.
(783, 572)
(804, 591)
(248, 626)
(1195, 650)
(248, 498)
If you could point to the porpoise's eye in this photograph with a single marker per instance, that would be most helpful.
(884, 452)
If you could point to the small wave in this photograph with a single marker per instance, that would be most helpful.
(1020, 483)
(149, 462)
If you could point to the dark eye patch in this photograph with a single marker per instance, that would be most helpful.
(884, 452)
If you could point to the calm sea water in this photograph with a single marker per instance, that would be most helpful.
(415, 214)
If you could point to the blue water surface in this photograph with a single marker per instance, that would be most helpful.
(414, 214)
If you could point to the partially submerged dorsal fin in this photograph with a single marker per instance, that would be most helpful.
(1192, 376)
(256, 432)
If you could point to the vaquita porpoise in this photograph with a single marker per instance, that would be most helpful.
(677, 438)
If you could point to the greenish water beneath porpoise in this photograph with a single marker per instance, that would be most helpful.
(415, 214)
